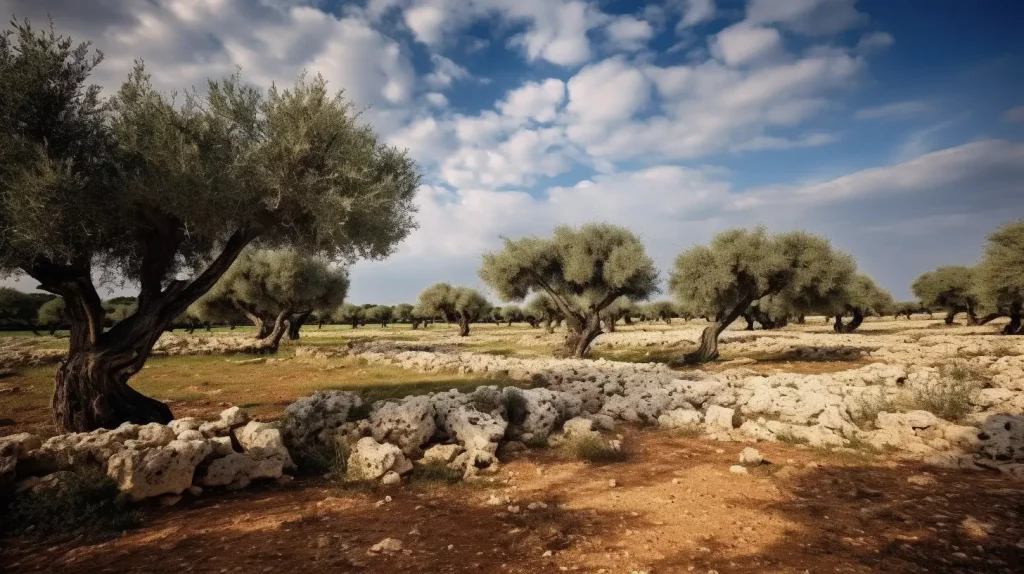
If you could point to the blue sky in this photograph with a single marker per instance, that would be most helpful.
(895, 127)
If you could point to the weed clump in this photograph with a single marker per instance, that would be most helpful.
(329, 459)
(435, 472)
(593, 448)
(85, 499)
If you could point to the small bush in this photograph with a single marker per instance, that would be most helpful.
(87, 500)
(961, 372)
(949, 399)
(870, 404)
(360, 412)
(324, 459)
(515, 406)
(788, 437)
(435, 471)
(537, 442)
(594, 449)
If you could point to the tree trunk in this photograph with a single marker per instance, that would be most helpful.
(708, 349)
(627, 319)
(295, 323)
(1014, 327)
(463, 327)
(801, 320)
(415, 324)
(989, 318)
(750, 321)
(549, 326)
(355, 323)
(272, 341)
(858, 318)
(577, 341)
(610, 323)
(838, 326)
(92, 392)
(949, 317)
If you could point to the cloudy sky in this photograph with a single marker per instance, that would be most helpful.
(896, 130)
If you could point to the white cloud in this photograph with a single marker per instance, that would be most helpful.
(629, 34)
(809, 17)
(894, 110)
(874, 42)
(696, 12)
(1014, 115)
(445, 72)
(742, 43)
(922, 141)
(437, 99)
(427, 23)
(609, 91)
(534, 101)
(515, 161)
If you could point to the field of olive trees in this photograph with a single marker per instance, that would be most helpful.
(760, 405)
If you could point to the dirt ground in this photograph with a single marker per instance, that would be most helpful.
(675, 507)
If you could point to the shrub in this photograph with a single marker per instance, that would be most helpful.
(691, 430)
(947, 398)
(86, 500)
(435, 471)
(515, 406)
(870, 404)
(536, 442)
(789, 438)
(325, 459)
(594, 449)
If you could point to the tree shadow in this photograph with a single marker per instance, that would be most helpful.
(871, 519)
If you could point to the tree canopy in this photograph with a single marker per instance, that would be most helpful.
(740, 266)
(460, 305)
(270, 286)
(950, 288)
(999, 277)
(583, 270)
(165, 194)
(863, 297)
(379, 314)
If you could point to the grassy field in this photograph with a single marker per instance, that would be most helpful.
(205, 385)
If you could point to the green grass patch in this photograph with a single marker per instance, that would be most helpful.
(435, 472)
(594, 449)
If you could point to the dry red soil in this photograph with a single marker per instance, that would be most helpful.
(675, 508)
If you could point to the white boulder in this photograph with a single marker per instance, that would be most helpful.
(371, 460)
(161, 470)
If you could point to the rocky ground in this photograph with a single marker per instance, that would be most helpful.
(905, 410)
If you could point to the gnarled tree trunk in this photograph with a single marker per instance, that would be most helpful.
(949, 316)
(296, 322)
(838, 325)
(858, 318)
(708, 348)
(1014, 327)
(463, 327)
(749, 317)
(272, 341)
(579, 336)
(610, 324)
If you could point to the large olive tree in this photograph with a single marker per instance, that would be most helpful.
(863, 297)
(740, 266)
(166, 194)
(460, 305)
(950, 288)
(1000, 274)
(582, 270)
(277, 290)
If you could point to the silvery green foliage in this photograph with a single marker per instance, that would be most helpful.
(378, 314)
(1000, 274)
(799, 270)
(52, 312)
(267, 282)
(583, 270)
(511, 313)
(866, 296)
(950, 287)
(403, 312)
(348, 314)
(542, 308)
(460, 304)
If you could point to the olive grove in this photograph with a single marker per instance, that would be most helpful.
(166, 194)
(460, 305)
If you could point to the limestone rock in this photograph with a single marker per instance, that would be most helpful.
(407, 424)
(751, 456)
(161, 470)
(371, 460)
(234, 416)
(679, 418)
(720, 418)
(314, 419)
(442, 453)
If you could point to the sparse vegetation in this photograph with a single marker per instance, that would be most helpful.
(435, 472)
(330, 459)
(947, 398)
(85, 500)
(594, 448)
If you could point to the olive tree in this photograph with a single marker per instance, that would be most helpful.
(277, 290)
(621, 308)
(17, 310)
(53, 315)
(740, 266)
(165, 194)
(402, 313)
(542, 309)
(349, 314)
(1000, 274)
(863, 297)
(511, 313)
(908, 308)
(950, 288)
(582, 270)
(460, 305)
(380, 314)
